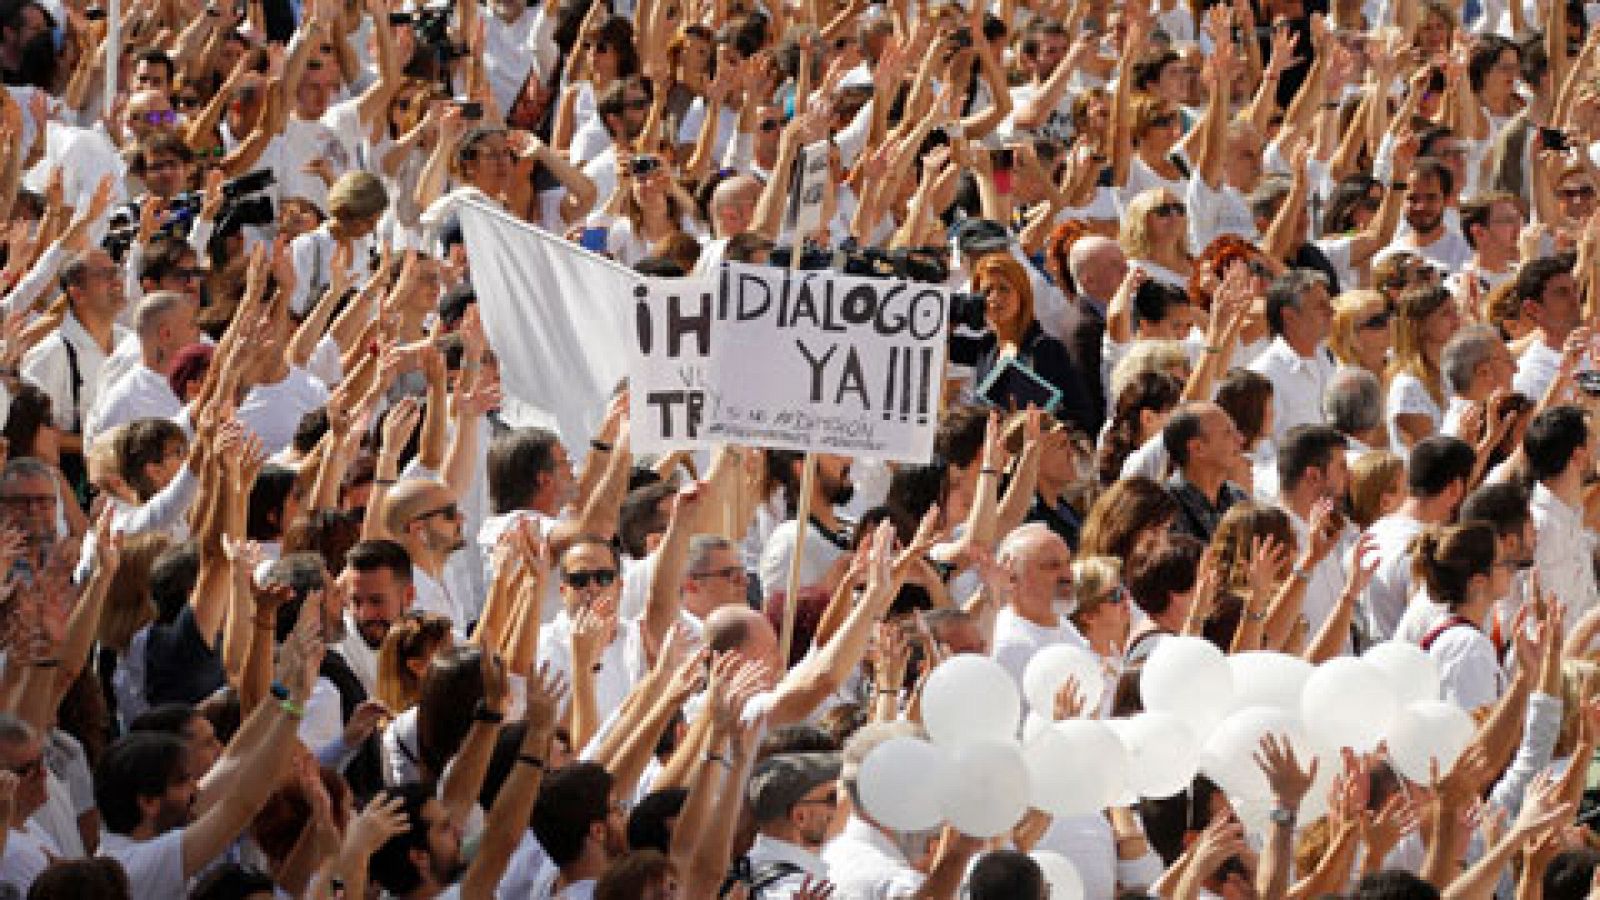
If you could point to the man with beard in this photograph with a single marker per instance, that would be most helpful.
(1312, 469)
(580, 825)
(827, 535)
(794, 798)
(339, 719)
(1427, 192)
(27, 45)
(377, 578)
(1035, 615)
(161, 823)
(424, 519)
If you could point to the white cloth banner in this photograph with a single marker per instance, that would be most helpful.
(828, 363)
(555, 314)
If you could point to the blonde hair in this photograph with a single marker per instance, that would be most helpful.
(128, 606)
(1371, 476)
(1415, 305)
(1151, 355)
(1346, 321)
(415, 636)
(1094, 578)
(1579, 680)
(1134, 235)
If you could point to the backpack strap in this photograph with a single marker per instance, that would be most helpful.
(770, 874)
(1450, 622)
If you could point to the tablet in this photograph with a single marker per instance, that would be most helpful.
(1012, 386)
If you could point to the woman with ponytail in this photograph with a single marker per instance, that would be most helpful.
(1463, 572)
(1141, 411)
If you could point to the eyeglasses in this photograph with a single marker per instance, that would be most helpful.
(28, 769)
(1376, 320)
(449, 511)
(735, 574)
(582, 580)
(187, 274)
(1173, 209)
(636, 103)
(1577, 193)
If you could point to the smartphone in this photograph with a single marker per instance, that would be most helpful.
(401, 18)
(643, 165)
(1553, 139)
(470, 109)
(1588, 382)
(593, 240)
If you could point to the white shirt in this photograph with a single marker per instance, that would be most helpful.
(864, 864)
(820, 554)
(143, 393)
(1297, 384)
(622, 662)
(1327, 579)
(767, 850)
(28, 852)
(273, 411)
(48, 366)
(1563, 553)
(312, 254)
(431, 595)
(1390, 590)
(1469, 668)
(1016, 639)
(156, 865)
(1409, 396)
(362, 659)
(1450, 251)
(514, 50)
(1536, 369)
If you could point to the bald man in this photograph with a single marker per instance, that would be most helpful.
(732, 209)
(1097, 265)
(1035, 615)
(422, 515)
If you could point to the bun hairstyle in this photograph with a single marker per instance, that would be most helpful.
(1446, 559)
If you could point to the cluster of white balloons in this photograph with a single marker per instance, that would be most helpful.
(1205, 712)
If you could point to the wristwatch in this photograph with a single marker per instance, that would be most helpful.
(1281, 816)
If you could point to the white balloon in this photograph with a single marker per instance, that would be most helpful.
(970, 697)
(1061, 875)
(902, 783)
(1032, 725)
(1428, 731)
(1229, 756)
(1348, 702)
(1188, 677)
(1076, 767)
(1410, 671)
(1054, 665)
(989, 791)
(1268, 679)
(1163, 753)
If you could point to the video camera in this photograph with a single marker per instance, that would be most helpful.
(432, 26)
(242, 204)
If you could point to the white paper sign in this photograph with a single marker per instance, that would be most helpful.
(827, 362)
(673, 322)
(810, 189)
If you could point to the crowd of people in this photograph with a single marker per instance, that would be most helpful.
(1285, 350)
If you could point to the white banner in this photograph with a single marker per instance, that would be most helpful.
(828, 363)
(810, 188)
(674, 319)
(555, 314)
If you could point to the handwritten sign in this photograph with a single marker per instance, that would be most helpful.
(808, 197)
(818, 361)
(673, 321)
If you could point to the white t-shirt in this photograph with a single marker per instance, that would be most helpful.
(155, 866)
(273, 411)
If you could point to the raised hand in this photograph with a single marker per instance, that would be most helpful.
(1288, 779)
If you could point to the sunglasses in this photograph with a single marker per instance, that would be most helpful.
(1512, 564)
(582, 580)
(1377, 320)
(1577, 193)
(162, 117)
(449, 511)
(734, 574)
(637, 103)
(1170, 209)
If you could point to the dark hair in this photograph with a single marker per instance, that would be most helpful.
(231, 881)
(450, 691)
(1154, 300)
(145, 442)
(628, 877)
(168, 718)
(1486, 53)
(1437, 462)
(1446, 559)
(571, 799)
(159, 57)
(959, 439)
(1551, 439)
(1503, 505)
(647, 821)
(95, 878)
(329, 533)
(391, 866)
(1393, 884)
(374, 554)
(516, 460)
(172, 579)
(1569, 874)
(309, 430)
(1286, 292)
(1433, 167)
(29, 414)
(164, 256)
(1168, 568)
(141, 764)
(640, 516)
(1184, 425)
(1536, 274)
(1153, 391)
(264, 519)
(1348, 194)
(1475, 211)
(1245, 396)
(1306, 447)
(1006, 875)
